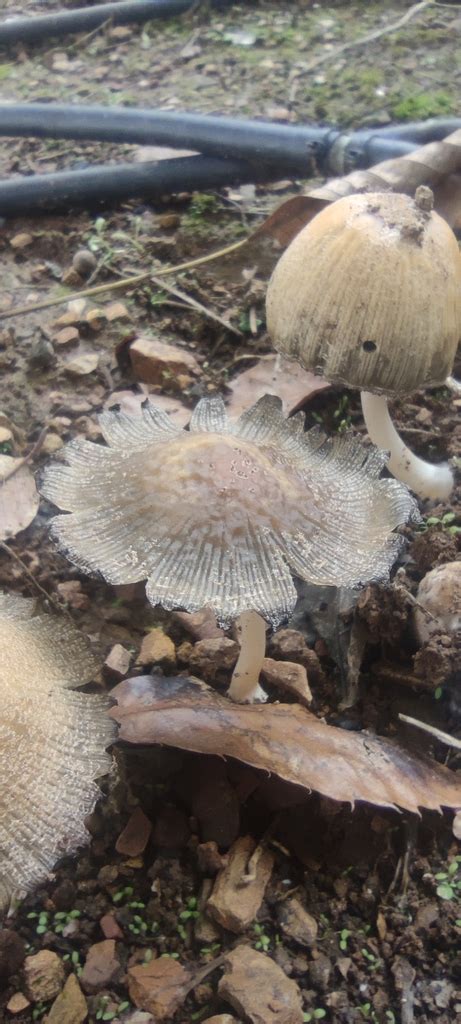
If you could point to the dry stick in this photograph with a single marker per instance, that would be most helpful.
(19, 463)
(196, 305)
(444, 737)
(126, 282)
(59, 607)
(371, 36)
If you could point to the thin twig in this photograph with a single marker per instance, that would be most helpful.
(196, 305)
(371, 36)
(19, 463)
(444, 737)
(126, 282)
(59, 607)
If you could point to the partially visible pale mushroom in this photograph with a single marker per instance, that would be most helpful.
(439, 595)
(52, 743)
(221, 515)
(369, 295)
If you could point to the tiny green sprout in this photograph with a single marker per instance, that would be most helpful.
(390, 1017)
(450, 884)
(38, 1011)
(438, 692)
(317, 1014)
(148, 955)
(371, 959)
(262, 940)
(343, 937)
(206, 950)
(458, 922)
(123, 894)
(446, 522)
(172, 956)
(42, 921)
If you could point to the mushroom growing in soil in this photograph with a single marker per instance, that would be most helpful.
(52, 743)
(221, 515)
(369, 295)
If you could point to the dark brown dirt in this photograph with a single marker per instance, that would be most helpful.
(387, 944)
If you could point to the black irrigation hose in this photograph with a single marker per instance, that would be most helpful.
(85, 19)
(432, 130)
(287, 147)
(97, 186)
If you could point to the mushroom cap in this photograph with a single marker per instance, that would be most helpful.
(439, 592)
(52, 743)
(222, 514)
(369, 295)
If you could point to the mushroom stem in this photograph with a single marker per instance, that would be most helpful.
(423, 478)
(252, 635)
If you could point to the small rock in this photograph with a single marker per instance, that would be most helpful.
(167, 221)
(71, 592)
(201, 625)
(158, 987)
(70, 278)
(297, 923)
(426, 916)
(66, 336)
(21, 241)
(117, 662)
(157, 649)
(110, 927)
(290, 645)
(154, 362)
(239, 888)
(117, 311)
(101, 966)
(44, 976)
(12, 953)
(70, 1006)
(221, 1018)
(18, 1003)
(209, 860)
(84, 262)
(288, 676)
(82, 365)
(258, 989)
(51, 443)
(320, 972)
(95, 319)
(210, 656)
(135, 836)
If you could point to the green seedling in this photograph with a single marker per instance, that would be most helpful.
(317, 1014)
(53, 923)
(372, 960)
(449, 881)
(263, 941)
(39, 1010)
(123, 894)
(341, 415)
(210, 950)
(446, 522)
(104, 1013)
(74, 959)
(344, 935)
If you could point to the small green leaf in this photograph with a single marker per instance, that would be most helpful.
(445, 891)
(319, 1014)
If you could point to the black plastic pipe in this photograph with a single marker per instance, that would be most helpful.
(288, 147)
(432, 130)
(24, 30)
(101, 186)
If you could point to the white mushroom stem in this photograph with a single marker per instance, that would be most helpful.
(454, 386)
(245, 679)
(423, 478)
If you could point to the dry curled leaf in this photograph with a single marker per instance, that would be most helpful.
(438, 165)
(274, 376)
(52, 743)
(282, 739)
(18, 497)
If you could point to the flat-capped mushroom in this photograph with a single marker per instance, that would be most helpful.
(369, 295)
(219, 516)
(52, 743)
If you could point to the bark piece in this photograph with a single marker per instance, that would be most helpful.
(135, 836)
(297, 923)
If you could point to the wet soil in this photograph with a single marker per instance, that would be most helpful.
(388, 941)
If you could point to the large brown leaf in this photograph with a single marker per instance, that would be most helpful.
(438, 165)
(283, 739)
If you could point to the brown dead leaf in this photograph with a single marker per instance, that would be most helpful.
(438, 165)
(273, 376)
(282, 739)
(18, 497)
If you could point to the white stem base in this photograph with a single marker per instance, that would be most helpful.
(244, 683)
(423, 478)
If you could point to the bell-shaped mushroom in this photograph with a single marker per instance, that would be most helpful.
(52, 743)
(219, 516)
(369, 295)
